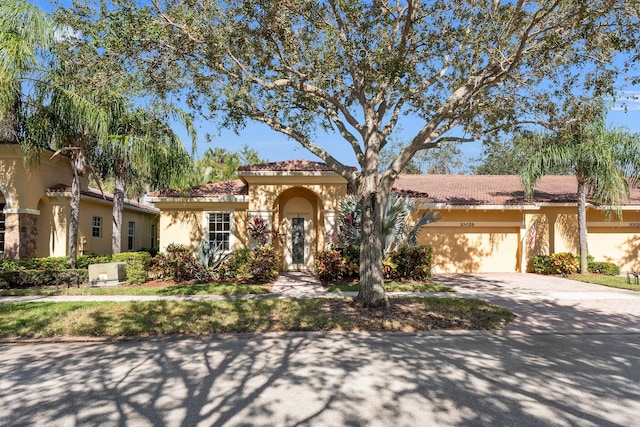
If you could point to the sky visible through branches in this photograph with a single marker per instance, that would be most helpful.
(274, 146)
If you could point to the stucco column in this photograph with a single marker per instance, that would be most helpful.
(21, 233)
(330, 230)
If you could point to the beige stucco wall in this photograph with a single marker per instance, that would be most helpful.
(53, 226)
(23, 186)
(186, 222)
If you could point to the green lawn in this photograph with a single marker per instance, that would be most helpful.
(199, 289)
(619, 282)
(47, 319)
(394, 287)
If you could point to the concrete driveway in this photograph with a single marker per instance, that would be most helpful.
(548, 303)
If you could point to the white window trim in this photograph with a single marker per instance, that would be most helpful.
(232, 230)
(129, 235)
(99, 227)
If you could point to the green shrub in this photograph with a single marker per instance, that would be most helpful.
(539, 264)
(412, 262)
(237, 265)
(559, 263)
(7, 264)
(20, 279)
(180, 264)
(50, 263)
(83, 261)
(330, 266)
(606, 268)
(264, 264)
(138, 264)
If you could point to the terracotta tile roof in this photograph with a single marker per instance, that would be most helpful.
(225, 188)
(491, 189)
(97, 194)
(287, 166)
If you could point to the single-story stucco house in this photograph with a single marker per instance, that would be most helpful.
(34, 211)
(487, 224)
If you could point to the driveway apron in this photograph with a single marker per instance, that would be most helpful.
(547, 303)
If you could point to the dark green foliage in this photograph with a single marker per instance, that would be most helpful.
(330, 266)
(152, 251)
(83, 261)
(413, 262)
(237, 265)
(406, 263)
(560, 263)
(178, 263)
(19, 279)
(264, 264)
(606, 268)
(138, 264)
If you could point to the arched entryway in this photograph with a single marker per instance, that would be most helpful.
(299, 224)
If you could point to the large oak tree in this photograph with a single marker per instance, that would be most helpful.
(358, 69)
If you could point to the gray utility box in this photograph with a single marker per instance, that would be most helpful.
(110, 273)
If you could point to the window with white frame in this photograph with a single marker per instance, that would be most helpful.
(130, 235)
(96, 226)
(220, 230)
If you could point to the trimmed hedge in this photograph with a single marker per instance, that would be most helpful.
(567, 263)
(237, 265)
(405, 263)
(20, 279)
(138, 264)
(606, 268)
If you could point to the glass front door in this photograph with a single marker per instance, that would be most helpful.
(297, 240)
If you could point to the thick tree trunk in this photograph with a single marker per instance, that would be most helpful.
(582, 227)
(372, 292)
(118, 203)
(74, 217)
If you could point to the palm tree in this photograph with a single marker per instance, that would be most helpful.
(141, 150)
(40, 108)
(26, 34)
(605, 161)
(395, 227)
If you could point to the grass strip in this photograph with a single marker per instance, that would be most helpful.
(178, 290)
(394, 287)
(49, 319)
(619, 282)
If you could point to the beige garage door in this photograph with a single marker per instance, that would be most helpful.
(620, 246)
(477, 250)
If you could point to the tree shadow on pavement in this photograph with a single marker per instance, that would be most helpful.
(398, 379)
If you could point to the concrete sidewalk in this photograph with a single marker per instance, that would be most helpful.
(541, 303)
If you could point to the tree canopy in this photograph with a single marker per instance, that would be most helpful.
(358, 69)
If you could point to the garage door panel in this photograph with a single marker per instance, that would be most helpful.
(473, 251)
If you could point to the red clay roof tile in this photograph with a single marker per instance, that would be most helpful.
(225, 188)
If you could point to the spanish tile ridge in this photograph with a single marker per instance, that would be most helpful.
(485, 189)
(234, 187)
(287, 166)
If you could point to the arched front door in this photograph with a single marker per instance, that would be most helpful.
(299, 229)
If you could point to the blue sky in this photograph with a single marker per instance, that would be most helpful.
(274, 146)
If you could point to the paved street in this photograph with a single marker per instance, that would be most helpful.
(571, 358)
